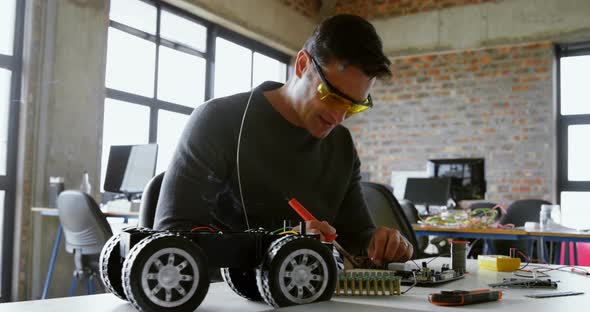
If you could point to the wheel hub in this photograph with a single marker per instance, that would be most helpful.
(301, 275)
(169, 276)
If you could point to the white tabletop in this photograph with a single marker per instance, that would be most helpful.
(221, 298)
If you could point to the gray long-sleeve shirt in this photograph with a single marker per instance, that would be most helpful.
(278, 161)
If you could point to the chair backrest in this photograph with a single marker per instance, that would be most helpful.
(522, 211)
(85, 227)
(386, 210)
(410, 211)
(518, 213)
(149, 201)
(482, 204)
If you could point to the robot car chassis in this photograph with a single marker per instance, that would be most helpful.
(169, 270)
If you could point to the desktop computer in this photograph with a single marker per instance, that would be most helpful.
(129, 169)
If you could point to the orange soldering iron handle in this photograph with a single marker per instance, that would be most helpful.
(307, 216)
(301, 211)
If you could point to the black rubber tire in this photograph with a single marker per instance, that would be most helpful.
(159, 247)
(111, 265)
(242, 282)
(272, 272)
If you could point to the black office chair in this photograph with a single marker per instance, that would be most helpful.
(409, 210)
(518, 213)
(149, 201)
(483, 204)
(386, 211)
(86, 230)
(412, 215)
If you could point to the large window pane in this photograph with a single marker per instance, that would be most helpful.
(232, 68)
(575, 94)
(170, 126)
(4, 111)
(7, 13)
(578, 153)
(575, 212)
(134, 13)
(124, 124)
(266, 68)
(130, 63)
(2, 194)
(182, 30)
(181, 77)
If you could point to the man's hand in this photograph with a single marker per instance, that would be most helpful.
(316, 227)
(389, 245)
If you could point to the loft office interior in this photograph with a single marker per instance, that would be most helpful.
(499, 83)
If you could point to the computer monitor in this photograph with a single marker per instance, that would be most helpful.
(428, 191)
(130, 168)
(468, 176)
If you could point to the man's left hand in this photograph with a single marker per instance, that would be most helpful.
(389, 245)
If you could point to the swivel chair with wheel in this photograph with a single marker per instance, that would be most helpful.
(86, 230)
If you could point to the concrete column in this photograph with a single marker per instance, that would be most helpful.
(61, 125)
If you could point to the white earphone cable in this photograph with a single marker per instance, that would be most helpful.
(238, 159)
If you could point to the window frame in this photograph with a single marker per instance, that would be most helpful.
(564, 121)
(213, 31)
(8, 182)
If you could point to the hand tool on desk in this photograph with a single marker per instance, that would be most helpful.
(331, 238)
(525, 283)
(556, 294)
(463, 297)
(580, 272)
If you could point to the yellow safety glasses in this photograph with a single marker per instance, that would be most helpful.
(330, 94)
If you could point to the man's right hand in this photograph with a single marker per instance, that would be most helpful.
(317, 227)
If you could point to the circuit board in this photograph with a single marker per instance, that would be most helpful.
(426, 276)
(420, 276)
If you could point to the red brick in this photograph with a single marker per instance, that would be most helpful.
(518, 88)
(485, 59)
(541, 69)
(442, 78)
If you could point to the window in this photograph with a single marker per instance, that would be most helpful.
(5, 86)
(161, 65)
(573, 126)
(11, 27)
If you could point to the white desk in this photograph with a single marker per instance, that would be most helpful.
(221, 298)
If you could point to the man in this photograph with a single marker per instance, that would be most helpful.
(241, 158)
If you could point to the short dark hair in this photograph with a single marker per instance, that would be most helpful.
(350, 39)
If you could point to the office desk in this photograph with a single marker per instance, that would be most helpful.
(553, 235)
(560, 235)
(53, 212)
(489, 233)
(466, 232)
(221, 298)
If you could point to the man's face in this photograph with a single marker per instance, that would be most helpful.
(319, 116)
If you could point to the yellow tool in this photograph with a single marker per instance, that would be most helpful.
(498, 263)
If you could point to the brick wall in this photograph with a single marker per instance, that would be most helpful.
(378, 8)
(308, 8)
(371, 9)
(493, 103)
